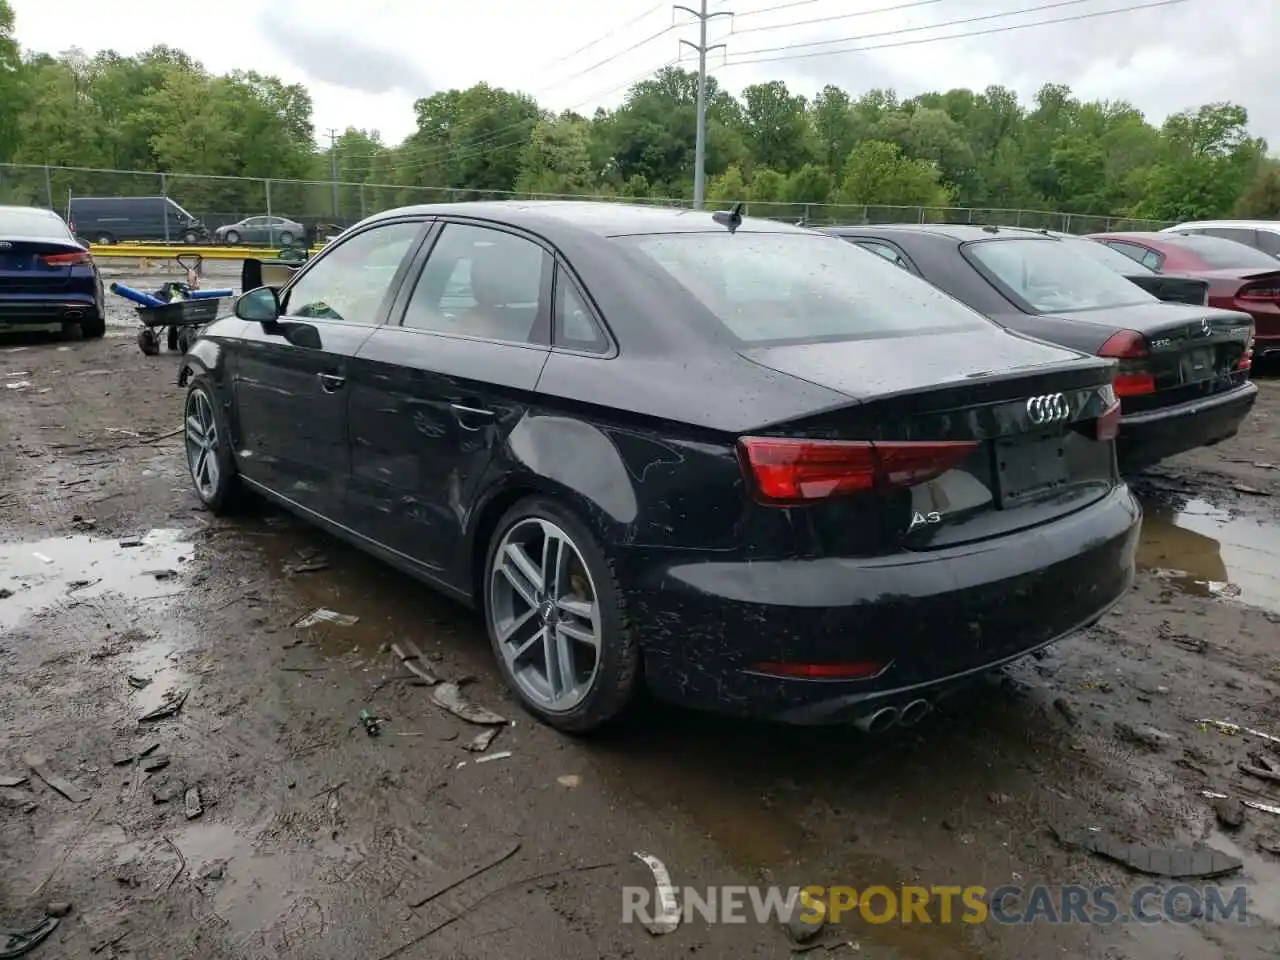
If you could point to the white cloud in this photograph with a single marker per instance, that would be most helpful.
(365, 63)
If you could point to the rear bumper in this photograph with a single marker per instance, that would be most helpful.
(18, 309)
(934, 619)
(1149, 437)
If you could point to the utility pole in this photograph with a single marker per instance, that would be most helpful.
(700, 141)
(333, 164)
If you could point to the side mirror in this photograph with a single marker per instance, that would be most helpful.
(261, 305)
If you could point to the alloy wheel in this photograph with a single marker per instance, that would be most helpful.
(202, 444)
(545, 614)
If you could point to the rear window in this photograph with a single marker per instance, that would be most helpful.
(1219, 253)
(31, 224)
(1109, 257)
(801, 288)
(1050, 277)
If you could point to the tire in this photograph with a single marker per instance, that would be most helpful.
(597, 696)
(231, 237)
(211, 468)
(149, 341)
(285, 238)
(103, 238)
(190, 238)
(93, 327)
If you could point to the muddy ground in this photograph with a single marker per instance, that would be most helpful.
(316, 839)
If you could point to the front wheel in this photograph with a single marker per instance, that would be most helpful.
(208, 447)
(555, 618)
(191, 238)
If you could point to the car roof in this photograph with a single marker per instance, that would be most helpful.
(960, 232)
(41, 212)
(1271, 226)
(599, 217)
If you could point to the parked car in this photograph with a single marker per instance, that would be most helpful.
(1262, 235)
(1170, 289)
(748, 464)
(1183, 377)
(46, 276)
(108, 220)
(264, 230)
(1240, 277)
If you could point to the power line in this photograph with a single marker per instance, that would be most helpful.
(955, 36)
(838, 16)
(776, 6)
(602, 38)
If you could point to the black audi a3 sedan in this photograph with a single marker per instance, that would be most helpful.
(752, 466)
(1184, 369)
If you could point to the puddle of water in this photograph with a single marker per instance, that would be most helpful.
(40, 574)
(1203, 551)
(1264, 892)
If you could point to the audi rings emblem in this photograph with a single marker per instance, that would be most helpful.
(1051, 408)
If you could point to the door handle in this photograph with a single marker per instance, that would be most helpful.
(462, 413)
(330, 382)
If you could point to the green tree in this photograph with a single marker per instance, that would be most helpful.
(876, 173)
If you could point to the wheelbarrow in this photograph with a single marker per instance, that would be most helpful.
(180, 307)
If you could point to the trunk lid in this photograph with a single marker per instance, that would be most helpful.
(23, 267)
(1189, 352)
(1029, 409)
(1187, 290)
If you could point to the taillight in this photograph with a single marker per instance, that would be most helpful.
(1261, 291)
(796, 471)
(1246, 359)
(1128, 346)
(67, 259)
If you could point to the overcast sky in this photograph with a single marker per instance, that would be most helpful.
(366, 62)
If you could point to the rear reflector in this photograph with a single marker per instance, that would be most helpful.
(1246, 360)
(794, 471)
(67, 259)
(857, 670)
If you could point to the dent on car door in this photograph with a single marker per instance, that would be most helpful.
(290, 376)
(435, 395)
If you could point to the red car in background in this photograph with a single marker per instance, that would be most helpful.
(1240, 277)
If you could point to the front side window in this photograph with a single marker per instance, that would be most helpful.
(1049, 277)
(480, 282)
(351, 282)
(801, 287)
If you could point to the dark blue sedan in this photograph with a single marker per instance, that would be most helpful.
(45, 275)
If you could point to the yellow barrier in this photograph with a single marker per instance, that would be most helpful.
(143, 251)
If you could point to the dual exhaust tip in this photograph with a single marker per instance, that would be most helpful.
(879, 721)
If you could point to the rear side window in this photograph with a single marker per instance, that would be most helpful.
(1238, 234)
(1218, 253)
(798, 288)
(1269, 242)
(1111, 258)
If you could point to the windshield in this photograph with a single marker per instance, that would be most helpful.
(799, 288)
(177, 206)
(1109, 257)
(1050, 277)
(1218, 252)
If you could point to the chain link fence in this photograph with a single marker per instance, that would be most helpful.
(325, 207)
